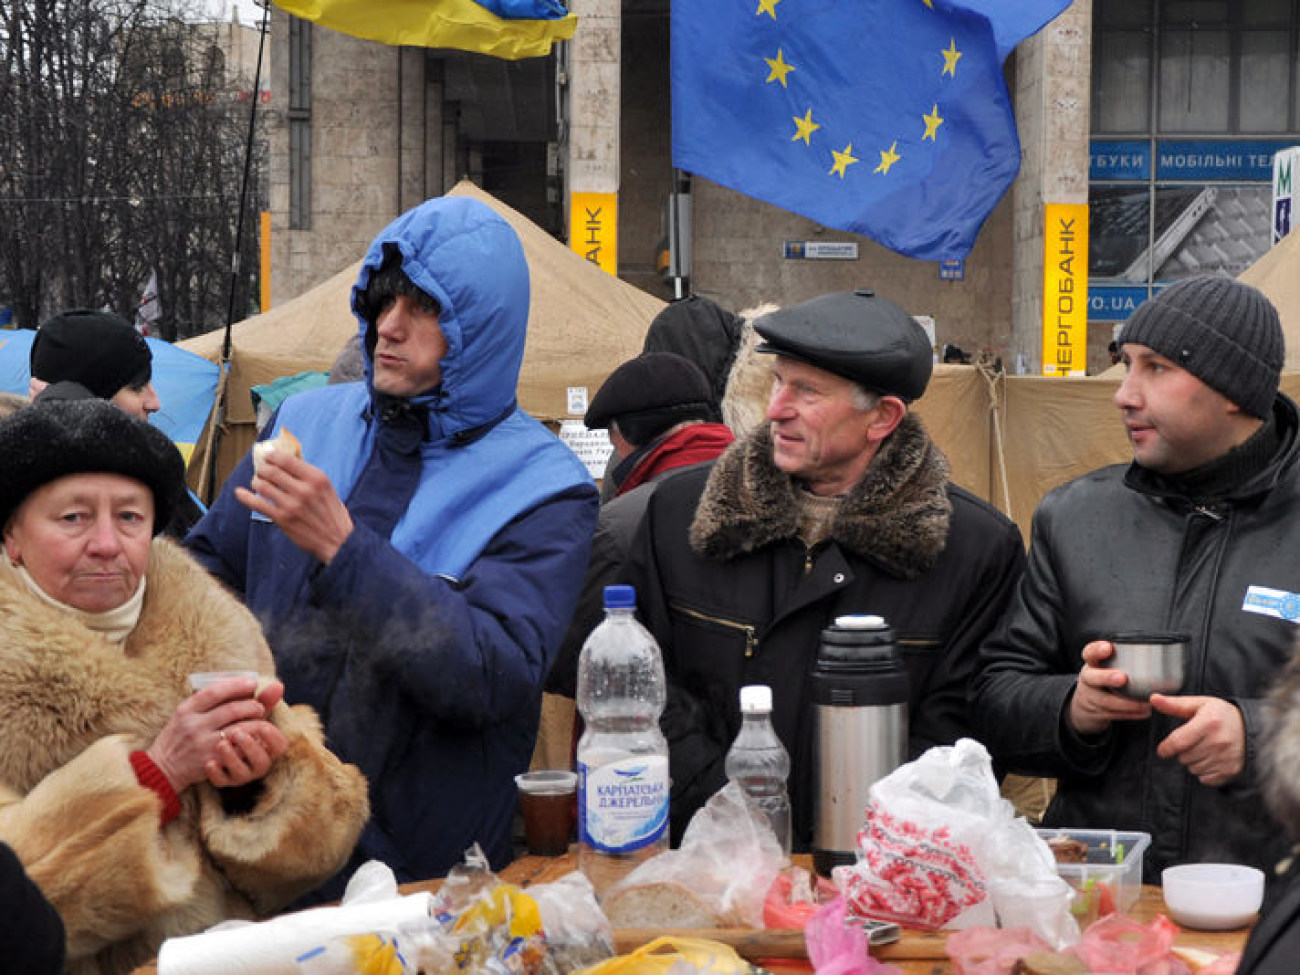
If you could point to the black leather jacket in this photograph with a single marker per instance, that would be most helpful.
(1106, 556)
(734, 597)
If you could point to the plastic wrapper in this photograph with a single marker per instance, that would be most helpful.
(942, 849)
(728, 858)
(476, 924)
(794, 897)
(991, 951)
(1122, 946)
(675, 956)
(837, 948)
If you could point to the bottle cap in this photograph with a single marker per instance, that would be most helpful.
(755, 698)
(620, 597)
(856, 622)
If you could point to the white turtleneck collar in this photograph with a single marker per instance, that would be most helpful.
(114, 624)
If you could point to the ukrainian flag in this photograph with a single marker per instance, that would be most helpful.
(510, 29)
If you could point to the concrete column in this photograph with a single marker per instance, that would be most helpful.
(1052, 96)
(595, 94)
(412, 119)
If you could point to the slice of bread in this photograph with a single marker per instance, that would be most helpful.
(284, 441)
(661, 905)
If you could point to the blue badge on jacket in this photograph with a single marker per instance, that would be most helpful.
(1277, 603)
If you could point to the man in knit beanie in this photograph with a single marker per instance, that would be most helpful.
(1195, 541)
(100, 352)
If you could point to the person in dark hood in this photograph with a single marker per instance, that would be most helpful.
(699, 329)
(416, 567)
(83, 353)
(840, 504)
(662, 418)
(1195, 536)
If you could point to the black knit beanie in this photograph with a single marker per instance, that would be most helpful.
(55, 438)
(98, 349)
(1225, 333)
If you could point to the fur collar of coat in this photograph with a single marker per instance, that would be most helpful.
(896, 517)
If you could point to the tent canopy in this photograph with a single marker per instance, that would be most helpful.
(582, 324)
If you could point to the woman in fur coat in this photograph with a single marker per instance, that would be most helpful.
(142, 810)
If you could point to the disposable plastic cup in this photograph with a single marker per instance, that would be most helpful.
(209, 677)
(547, 800)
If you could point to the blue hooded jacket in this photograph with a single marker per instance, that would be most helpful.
(424, 648)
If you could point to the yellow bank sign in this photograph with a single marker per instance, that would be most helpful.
(593, 228)
(1065, 290)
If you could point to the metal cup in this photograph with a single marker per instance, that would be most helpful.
(1152, 661)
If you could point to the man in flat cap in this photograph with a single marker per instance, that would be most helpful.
(840, 505)
(1198, 535)
(661, 415)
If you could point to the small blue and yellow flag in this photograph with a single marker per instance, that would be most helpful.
(888, 118)
(510, 29)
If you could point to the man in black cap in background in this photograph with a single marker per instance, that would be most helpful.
(82, 353)
(1198, 534)
(660, 411)
(840, 505)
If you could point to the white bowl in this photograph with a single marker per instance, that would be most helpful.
(1213, 896)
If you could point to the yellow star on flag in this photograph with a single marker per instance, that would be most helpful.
(887, 158)
(779, 68)
(843, 160)
(950, 57)
(932, 123)
(767, 7)
(928, 3)
(804, 128)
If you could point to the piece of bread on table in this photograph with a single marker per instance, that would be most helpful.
(660, 905)
(1049, 963)
(283, 441)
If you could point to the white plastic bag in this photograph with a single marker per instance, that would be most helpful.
(728, 858)
(942, 848)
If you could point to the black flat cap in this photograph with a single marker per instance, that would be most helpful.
(56, 438)
(98, 349)
(855, 334)
(652, 382)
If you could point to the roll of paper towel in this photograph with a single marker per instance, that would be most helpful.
(271, 947)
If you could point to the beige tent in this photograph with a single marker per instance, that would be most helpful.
(581, 325)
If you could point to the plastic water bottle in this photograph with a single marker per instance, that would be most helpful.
(759, 763)
(622, 754)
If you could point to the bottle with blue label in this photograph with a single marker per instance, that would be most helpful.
(622, 754)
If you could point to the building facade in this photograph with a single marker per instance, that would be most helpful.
(1154, 118)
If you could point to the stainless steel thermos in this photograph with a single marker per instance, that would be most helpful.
(859, 693)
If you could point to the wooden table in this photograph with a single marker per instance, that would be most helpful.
(916, 953)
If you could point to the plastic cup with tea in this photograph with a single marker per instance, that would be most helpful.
(207, 678)
(547, 800)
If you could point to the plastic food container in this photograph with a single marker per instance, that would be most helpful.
(1110, 877)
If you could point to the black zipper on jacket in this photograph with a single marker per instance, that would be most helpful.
(751, 632)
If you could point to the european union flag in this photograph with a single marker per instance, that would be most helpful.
(888, 118)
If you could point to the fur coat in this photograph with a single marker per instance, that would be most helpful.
(74, 706)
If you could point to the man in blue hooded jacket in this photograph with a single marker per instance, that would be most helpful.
(416, 568)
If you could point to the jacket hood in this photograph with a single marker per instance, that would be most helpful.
(470, 260)
(897, 516)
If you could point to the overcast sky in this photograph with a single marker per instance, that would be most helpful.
(249, 12)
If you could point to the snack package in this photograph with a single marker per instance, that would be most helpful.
(719, 876)
(941, 848)
(675, 956)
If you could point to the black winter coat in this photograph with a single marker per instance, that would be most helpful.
(1107, 555)
(734, 597)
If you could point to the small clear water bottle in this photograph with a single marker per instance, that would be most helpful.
(759, 763)
(622, 754)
